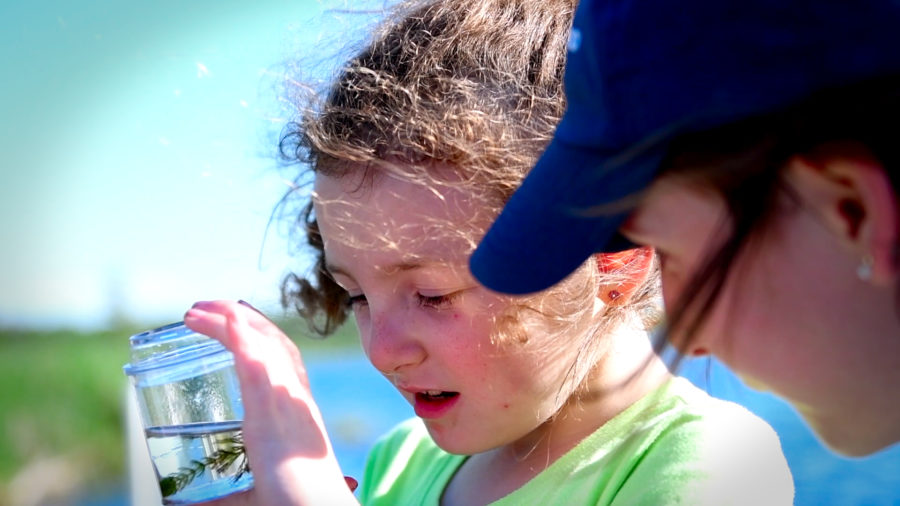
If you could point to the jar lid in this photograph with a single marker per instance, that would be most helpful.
(168, 346)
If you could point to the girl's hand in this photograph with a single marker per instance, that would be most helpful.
(287, 446)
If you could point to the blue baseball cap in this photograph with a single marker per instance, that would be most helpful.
(642, 72)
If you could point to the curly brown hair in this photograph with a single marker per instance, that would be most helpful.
(472, 85)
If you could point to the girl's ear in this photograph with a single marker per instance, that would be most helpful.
(850, 189)
(630, 269)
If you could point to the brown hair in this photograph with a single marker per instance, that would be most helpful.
(472, 85)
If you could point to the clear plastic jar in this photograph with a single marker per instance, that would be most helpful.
(190, 405)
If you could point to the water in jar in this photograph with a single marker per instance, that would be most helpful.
(199, 461)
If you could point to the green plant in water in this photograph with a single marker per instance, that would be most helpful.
(219, 461)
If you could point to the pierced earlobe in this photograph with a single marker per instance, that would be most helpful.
(629, 269)
(864, 269)
(611, 297)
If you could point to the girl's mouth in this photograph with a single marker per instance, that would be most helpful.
(434, 403)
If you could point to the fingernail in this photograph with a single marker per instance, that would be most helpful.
(194, 312)
(245, 303)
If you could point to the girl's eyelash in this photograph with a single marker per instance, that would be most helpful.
(431, 301)
(353, 300)
(437, 301)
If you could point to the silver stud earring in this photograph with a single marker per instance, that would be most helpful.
(864, 269)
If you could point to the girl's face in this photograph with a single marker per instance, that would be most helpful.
(785, 317)
(400, 250)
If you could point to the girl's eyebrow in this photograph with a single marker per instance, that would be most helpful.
(389, 269)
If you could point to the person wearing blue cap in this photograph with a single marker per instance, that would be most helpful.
(752, 144)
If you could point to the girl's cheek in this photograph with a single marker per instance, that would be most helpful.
(362, 327)
(365, 341)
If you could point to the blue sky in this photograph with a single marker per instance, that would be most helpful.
(138, 169)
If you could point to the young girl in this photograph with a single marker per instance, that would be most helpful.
(550, 399)
(756, 142)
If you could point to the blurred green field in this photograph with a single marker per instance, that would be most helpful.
(61, 407)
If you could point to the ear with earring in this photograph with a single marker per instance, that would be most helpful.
(630, 266)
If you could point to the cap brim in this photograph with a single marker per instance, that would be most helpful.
(569, 207)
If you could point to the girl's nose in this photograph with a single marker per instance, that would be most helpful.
(391, 344)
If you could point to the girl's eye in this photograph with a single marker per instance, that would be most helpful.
(356, 300)
(437, 301)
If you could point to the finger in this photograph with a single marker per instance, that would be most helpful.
(272, 329)
(211, 318)
(215, 327)
(251, 306)
(263, 354)
(227, 308)
(272, 348)
(259, 321)
(208, 323)
(269, 325)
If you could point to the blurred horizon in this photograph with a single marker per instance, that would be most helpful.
(140, 170)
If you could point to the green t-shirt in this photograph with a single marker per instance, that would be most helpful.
(677, 445)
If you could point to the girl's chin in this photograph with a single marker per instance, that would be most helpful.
(454, 440)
